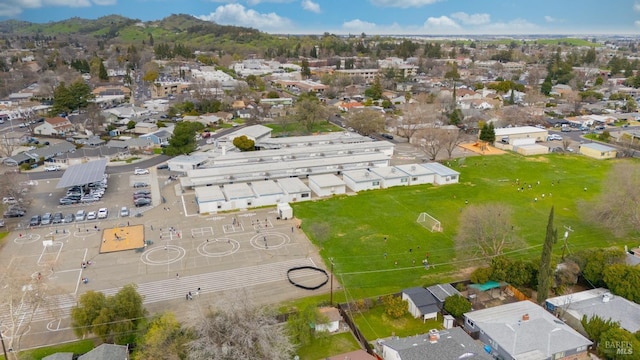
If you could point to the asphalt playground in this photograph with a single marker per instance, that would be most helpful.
(173, 251)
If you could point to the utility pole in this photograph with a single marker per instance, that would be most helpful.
(331, 296)
(4, 349)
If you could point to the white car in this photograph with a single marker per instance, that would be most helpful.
(124, 212)
(553, 137)
(51, 168)
(140, 172)
(92, 215)
(103, 213)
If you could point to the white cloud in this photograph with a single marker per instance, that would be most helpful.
(105, 2)
(250, 2)
(473, 19)
(311, 6)
(551, 19)
(236, 14)
(441, 24)
(402, 3)
(636, 6)
(358, 25)
(68, 3)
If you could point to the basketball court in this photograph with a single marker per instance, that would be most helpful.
(122, 238)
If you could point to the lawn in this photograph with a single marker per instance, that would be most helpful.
(375, 324)
(77, 347)
(352, 229)
(328, 346)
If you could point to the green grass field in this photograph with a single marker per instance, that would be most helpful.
(352, 229)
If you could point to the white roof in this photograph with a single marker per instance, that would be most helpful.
(440, 169)
(238, 191)
(293, 186)
(209, 193)
(361, 175)
(266, 188)
(415, 169)
(326, 180)
(517, 130)
(389, 172)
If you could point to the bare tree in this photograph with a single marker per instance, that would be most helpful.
(485, 230)
(239, 331)
(618, 206)
(366, 121)
(415, 117)
(430, 141)
(566, 142)
(451, 138)
(22, 296)
(95, 120)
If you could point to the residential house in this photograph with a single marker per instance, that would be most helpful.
(160, 136)
(524, 330)
(145, 128)
(595, 302)
(54, 126)
(450, 344)
(107, 352)
(598, 151)
(441, 292)
(422, 304)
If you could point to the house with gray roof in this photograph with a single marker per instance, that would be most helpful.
(107, 352)
(451, 344)
(596, 302)
(422, 304)
(523, 330)
(441, 292)
(59, 356)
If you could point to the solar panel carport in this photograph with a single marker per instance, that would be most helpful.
(83, 174)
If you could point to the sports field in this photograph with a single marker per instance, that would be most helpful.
(352, 229)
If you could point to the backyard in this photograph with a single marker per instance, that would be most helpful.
(378, 248)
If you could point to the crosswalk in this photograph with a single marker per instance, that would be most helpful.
(176, 288)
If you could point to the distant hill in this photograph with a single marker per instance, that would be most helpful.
(185, 29)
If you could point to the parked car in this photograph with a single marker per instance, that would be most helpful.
(124, 212)
(141, 196)
(80, 215)
(387, 136)
(35, 220)
(57, 218)
(554, 137)
(103, 213)
(142, 202)
(140, 172)
(46, 219)
(92, 215)
(162, 166)
(142, 192)
(67, 201)
(51, 168)
(140, 185)
(13, 213)
(69, 218)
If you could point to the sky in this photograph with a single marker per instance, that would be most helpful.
(372, 17)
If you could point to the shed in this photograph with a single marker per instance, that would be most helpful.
(285, 211)
(332, 316)
(598, 151)
(326, 185)
(531, 149)
(421, 303)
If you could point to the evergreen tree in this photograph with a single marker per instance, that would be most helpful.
(546, 86)
(305, 71)
(102, 72)
(488, 133)
(545, 273)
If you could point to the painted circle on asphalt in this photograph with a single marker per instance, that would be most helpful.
(269, 240)
(26, 239)
(163, 255)
(218, 247)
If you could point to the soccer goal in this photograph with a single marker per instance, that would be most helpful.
(429, 222)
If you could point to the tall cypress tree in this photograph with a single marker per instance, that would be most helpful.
(545, 273)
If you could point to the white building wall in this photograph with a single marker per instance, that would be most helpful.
(387, 183)
(413, 309)
(444, 180)
(266, 200)
(421, 179)
(324, 191)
